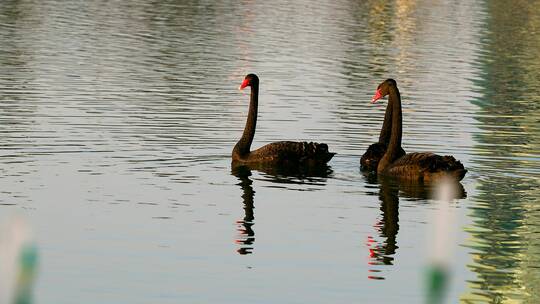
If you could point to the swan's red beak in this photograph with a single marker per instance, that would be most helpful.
(244, 84)
(378, 95)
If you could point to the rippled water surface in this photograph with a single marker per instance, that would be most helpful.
(117, 119)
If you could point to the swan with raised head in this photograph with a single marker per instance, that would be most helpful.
(426, 166)
(281, 153)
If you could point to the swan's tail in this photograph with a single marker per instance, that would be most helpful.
(450, 165)
(313, 152)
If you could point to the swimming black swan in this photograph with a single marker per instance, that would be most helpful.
(425, 167)
(281, 153)
(370, 160)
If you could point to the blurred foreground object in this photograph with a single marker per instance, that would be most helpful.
(442, 240)
(18, 261)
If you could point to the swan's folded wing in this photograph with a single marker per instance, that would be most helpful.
(291, 151)
(421, 164)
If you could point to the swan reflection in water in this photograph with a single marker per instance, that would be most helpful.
(381, 252)
(246, 235)
(387, 226)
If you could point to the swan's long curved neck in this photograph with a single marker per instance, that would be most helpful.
(243, 145)
(394, 99)
(384, 137)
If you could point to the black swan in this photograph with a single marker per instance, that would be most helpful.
(424, 167)
(370, 160)
(281, 153)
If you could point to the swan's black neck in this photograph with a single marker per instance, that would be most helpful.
(384, 137)
(394, 146)
(243, 146)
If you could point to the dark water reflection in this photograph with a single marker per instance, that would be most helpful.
(382, 252)
(246, 235)
(117, 121)
(276, 175)
(387, 226)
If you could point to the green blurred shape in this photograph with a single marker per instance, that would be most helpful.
(28, 260)
(437, 284)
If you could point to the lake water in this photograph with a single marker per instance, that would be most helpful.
(117, 120)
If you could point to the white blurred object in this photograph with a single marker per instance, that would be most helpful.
(18, 259)
(444, 233)
(442, 242)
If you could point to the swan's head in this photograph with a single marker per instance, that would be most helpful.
(383, 89)
(249, 80)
